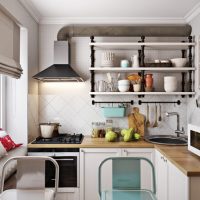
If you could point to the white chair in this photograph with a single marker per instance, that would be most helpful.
(30, 179)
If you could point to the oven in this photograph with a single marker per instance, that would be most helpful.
(68, 161)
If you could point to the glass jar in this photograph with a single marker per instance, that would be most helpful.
(109, 125)
(98, 129)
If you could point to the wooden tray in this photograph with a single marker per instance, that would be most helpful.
(158, 64)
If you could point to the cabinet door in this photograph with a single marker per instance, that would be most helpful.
(146, 175)
(177, 183)
(90, 159)
(161, 176)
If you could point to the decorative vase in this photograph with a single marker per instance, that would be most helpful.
(149, 80)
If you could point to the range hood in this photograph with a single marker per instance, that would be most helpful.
(60, 71)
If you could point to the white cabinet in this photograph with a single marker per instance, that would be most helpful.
(171, 183)
(161, 176)
(90, 159)
(177, 183)
(146, 175)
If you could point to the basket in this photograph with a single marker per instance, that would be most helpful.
(109, 112)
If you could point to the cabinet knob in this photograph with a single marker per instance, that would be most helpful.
(82, 151)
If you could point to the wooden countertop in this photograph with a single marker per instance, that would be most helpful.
(186, 161)
(89, 142)
(183, 159)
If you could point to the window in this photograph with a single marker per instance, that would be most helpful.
(2, 101)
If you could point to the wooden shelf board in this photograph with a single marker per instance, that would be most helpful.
(130, 69)
(142, 93)
(136, 45)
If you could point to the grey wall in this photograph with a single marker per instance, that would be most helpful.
(70, 103)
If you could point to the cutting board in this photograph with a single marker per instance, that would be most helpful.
(136, 121)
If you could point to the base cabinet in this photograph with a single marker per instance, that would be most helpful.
(146, 176)
(90, 159)
(171, 183)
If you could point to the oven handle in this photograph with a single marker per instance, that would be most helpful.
(65, 159)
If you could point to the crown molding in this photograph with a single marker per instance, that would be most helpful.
(31, 10)
(109, 20)
(194, 12)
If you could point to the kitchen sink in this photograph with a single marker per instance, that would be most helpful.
(166, 139)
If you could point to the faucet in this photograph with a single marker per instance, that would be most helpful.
(177, 131)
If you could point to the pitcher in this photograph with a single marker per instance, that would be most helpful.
(135, 61)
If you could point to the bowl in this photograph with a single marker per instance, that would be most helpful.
(124, 82)
(178, 62)
(123, 88)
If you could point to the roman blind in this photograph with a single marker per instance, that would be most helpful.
(9, 47)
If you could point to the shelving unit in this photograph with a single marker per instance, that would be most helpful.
(141, 46)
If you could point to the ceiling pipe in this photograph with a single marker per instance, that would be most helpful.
(124, 31)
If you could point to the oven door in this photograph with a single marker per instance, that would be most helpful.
(68, 172)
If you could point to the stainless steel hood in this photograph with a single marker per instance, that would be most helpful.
(60, 71)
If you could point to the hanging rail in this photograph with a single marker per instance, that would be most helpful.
(175, 102)
(102, 102)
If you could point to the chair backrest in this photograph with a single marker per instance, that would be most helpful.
(30, 166)
(126, 173)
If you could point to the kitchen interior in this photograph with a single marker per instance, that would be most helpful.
(120, 80)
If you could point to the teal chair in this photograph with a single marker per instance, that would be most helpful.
(126, 182)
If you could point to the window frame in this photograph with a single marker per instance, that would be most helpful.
(2, 101)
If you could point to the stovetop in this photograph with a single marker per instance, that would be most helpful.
(61, 139)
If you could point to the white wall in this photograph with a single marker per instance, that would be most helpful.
(71, 102)
(193, 111)
(26, 87)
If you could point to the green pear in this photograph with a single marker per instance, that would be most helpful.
(110, 136)
(136, 136)
(128, 137)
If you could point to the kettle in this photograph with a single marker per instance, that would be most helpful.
(49, 130)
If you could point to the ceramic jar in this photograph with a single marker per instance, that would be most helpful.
(149, 80)
(124, 63)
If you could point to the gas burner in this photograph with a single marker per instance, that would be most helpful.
(61, 139)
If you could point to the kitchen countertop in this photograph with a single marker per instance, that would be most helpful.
(89, 142)
(186, 161)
